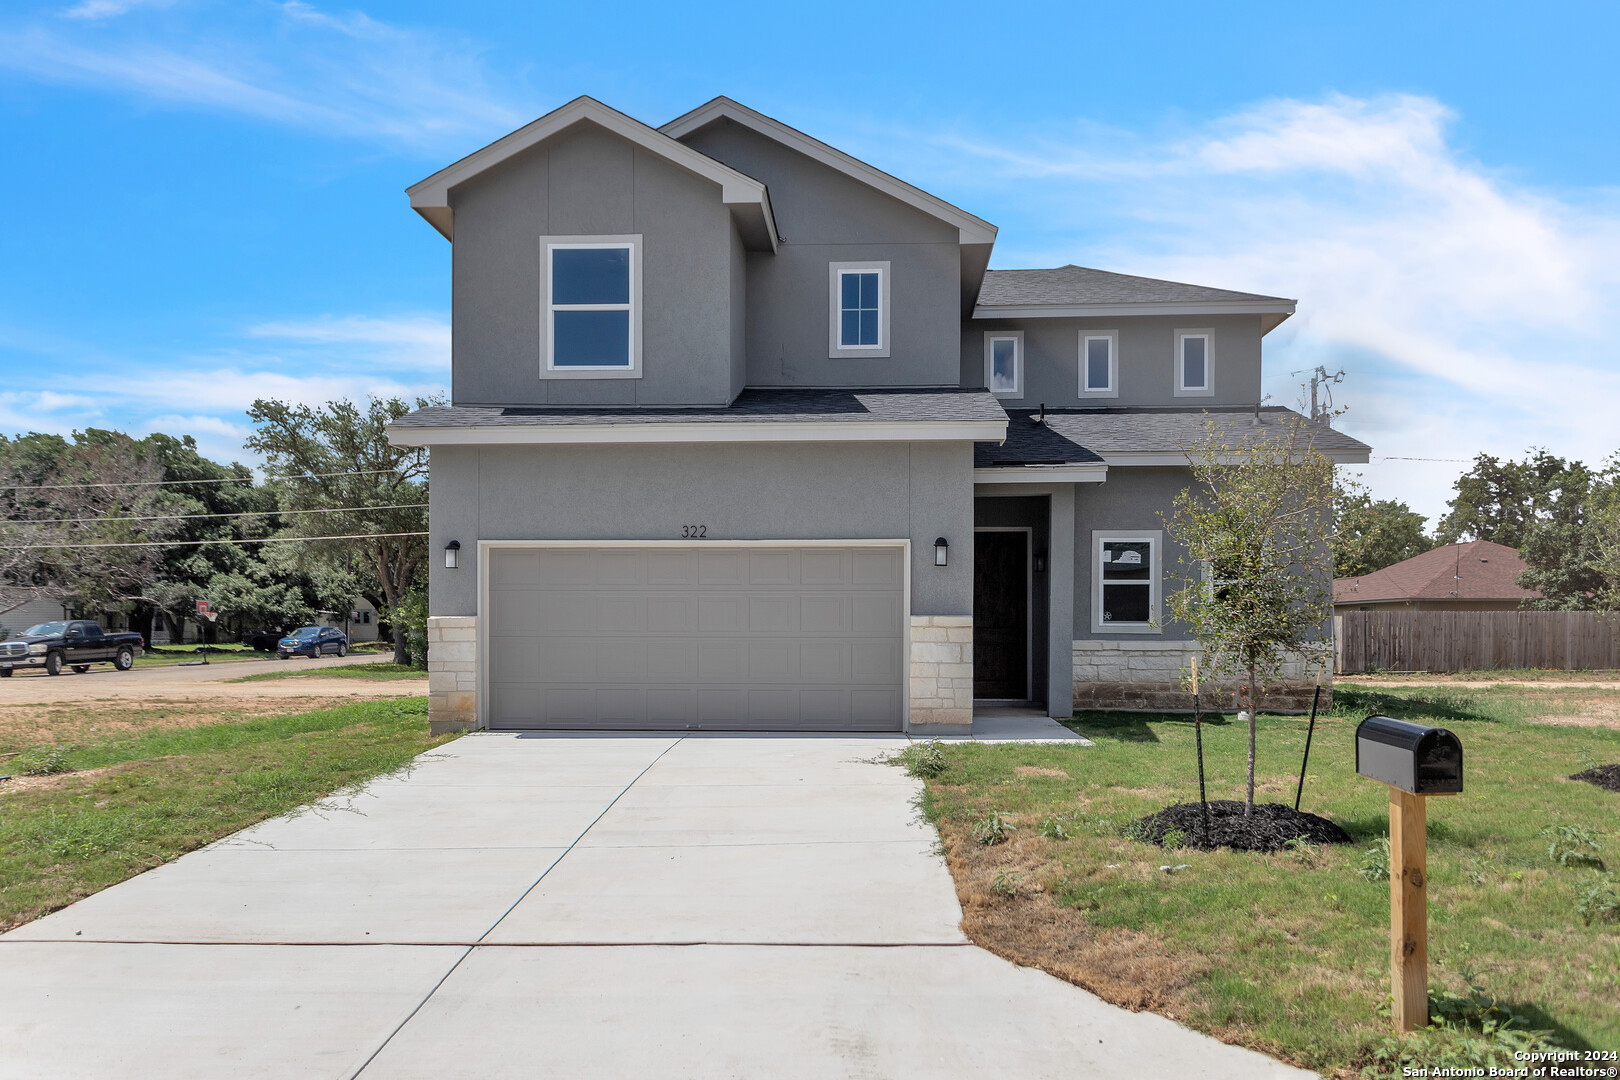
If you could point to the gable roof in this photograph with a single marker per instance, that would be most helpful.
(1477, 570)
(1082, 291)
(746, 197)
(974, 230)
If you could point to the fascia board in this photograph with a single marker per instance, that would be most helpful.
(433, 192)
(729, 431)
(1042, 474)
(1113, 311)
(1338, 455)
(973, 230)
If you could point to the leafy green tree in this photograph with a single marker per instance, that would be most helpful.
(1257, 569)
(1372, 534)
(337, 457)
(1605, 526)
(1499, 500)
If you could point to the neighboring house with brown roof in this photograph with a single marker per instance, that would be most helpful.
(1476, 576)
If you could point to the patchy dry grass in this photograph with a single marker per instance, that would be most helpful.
(1288, 953)
(140, 796)
(22, 726)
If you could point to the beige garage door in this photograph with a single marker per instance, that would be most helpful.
(722, 637)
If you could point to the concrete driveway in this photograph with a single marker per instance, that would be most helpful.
(573, 907)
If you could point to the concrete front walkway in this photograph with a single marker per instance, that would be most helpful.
(703, 906)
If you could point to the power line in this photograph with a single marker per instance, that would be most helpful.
(189, 517)
(199, 543)
(219, 480)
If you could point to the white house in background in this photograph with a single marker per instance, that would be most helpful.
(20, 618)
(360, 621)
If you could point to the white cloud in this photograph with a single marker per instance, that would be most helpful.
(417, 341)
(1473, 312)
(110, 9)
(287, 63)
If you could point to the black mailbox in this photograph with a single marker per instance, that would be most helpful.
(1422, 760)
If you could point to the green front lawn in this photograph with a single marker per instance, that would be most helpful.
(1289, 952)
(133, 800)
(382, 670)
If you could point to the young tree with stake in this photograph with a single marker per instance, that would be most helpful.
(1257, 568)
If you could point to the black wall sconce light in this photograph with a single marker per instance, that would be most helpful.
(942, 552)
(1040, 562)
(452, 555)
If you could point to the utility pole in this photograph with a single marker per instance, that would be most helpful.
(1321, 378)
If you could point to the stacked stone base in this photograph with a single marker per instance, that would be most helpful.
(941, 676)
(452, 673)
(1149, 676)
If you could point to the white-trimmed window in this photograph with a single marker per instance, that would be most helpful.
(1195, 363)
(858, 309)
(1125, 581)
(1004, 362)
(1099, 363)
(591, 288)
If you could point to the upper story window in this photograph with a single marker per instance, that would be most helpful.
(858, 309)
(1099, 363)
(1125, 589)
(592, 287)
(1195, 363)
(1004, 362)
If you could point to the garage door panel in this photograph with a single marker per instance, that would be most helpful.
(671, 567)
(676, 614)
(672, 659)
(875, 613)
(733, 638)
(773, 567)
(823, 614)
(875, 660)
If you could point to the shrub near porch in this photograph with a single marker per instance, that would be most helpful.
(1289, 953)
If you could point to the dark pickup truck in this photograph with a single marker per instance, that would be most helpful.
(75, 643)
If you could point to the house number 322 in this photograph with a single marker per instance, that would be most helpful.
(694, 532)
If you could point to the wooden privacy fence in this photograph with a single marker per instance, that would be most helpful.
(1474, 640)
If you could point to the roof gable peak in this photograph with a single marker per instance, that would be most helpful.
(746, 197)
(973, 229)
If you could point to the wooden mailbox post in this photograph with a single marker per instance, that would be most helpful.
(1416, 762)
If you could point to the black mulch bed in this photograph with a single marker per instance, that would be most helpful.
(1271, 827)
(1604, 776)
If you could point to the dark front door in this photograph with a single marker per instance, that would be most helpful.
(1001, 615)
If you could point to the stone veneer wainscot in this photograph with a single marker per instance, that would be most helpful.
(452, 673)
(1148, 675)
(941, 676)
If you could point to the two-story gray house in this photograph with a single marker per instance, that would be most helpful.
(744, 434)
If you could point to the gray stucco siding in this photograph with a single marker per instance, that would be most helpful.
(754, 491)
(1132, 498)
(1146, 359)
(585, 182)
(824, 217)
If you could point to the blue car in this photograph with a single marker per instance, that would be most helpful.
(313, 641)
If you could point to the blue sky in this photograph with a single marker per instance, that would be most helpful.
(206, 198)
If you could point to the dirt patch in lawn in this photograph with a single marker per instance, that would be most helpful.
(23, 726)
(19, 784)
(1006, 910)
(1595, 711)
(1604, 776)
(1039, 770)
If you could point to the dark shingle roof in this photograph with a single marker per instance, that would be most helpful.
(1074, 285)
(948, 404)
(1477, 570)
(1080, 436)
